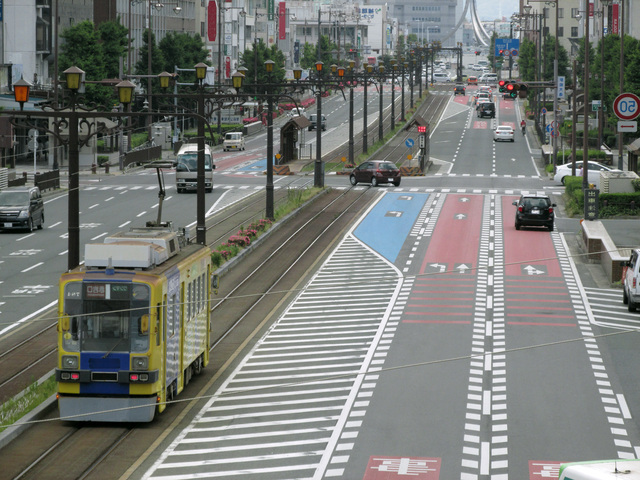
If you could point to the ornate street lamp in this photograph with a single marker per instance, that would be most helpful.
(21, 91)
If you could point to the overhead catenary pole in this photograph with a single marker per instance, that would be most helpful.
(585, 103)
(620, 136)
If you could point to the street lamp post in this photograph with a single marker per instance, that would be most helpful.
(269, 187)
(367, 72)
(351, 84)
(394, 67)
(404, 69)
(318, 172)
(380, 125)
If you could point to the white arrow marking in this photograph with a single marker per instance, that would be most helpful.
(533, 271)
(439, 267)
(461, 216)
(463, 268)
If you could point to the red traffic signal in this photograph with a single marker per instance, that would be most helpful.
(477, 52)
(510, 87)
(501, 83)
(422, 129)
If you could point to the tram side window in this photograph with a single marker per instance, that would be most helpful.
(171, 315)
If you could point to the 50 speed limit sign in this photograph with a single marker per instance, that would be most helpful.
(626, 106)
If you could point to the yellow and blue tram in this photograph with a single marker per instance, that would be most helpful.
(133, 325)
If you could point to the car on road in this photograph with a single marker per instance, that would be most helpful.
(313, 120)
(233, 141)
(534, 211)
(485, 108)
(21, 208)
(489, 78)
(459, 89)
(296, 112)
(375, 172)
(504, 133)
(441, 77)
(472, 80)
(593, 177)
(631, 281)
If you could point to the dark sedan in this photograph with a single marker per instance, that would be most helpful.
(534, 211)
(375, 172)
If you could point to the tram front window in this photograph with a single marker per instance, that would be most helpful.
(106, 317)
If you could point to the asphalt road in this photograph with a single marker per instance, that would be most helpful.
(434, 340)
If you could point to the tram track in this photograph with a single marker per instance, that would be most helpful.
(29, 352)
(250, 292)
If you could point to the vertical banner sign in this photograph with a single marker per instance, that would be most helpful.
(561, 87)
(591, 8)
(1, 10)
(212, 21)
(227, 67)
(615, 22)
(282, 21)
(270, 8)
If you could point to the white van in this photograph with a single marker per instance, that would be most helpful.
(441, 77)
(233, 141)
(187, 168)
(631, 283)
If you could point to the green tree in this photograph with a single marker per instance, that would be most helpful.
(256, 75)
(82, 48)
(114, 41)
(182, 50)
(549, 46)
(310, 54)
(527, 61)
(157, 60)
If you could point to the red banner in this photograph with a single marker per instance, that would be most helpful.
(282, 21)
(591, 8)
(615, 22)
(212, 21)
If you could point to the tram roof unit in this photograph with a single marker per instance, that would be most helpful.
(139, 248)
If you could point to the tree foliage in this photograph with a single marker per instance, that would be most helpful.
(82, 47)
(157, 58)
(182, 50)
(310, 54)
(114, 38)
(256, 75)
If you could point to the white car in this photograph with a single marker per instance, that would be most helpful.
(441, 77)
(504, 133)
(563, 171)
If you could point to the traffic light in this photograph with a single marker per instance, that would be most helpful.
(502, 86)
(501, 52)
(477, 52)
(512, 89)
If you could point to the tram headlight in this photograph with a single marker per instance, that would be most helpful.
(140, 363)
(69, 362)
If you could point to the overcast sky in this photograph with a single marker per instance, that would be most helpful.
(495, 9)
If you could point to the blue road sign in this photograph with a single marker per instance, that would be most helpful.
(409, 142)
(509, 44)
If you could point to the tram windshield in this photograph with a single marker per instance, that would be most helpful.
(106, 317)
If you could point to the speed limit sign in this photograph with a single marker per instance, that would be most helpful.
(626, 106)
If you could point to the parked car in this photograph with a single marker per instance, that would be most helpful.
(503, 133)
(593, 177)
(534, 211)
(313, 120)
(631, 281)
(459, 89)
(486, 109)
(375, 172)
(21, 207)
(233, 141)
